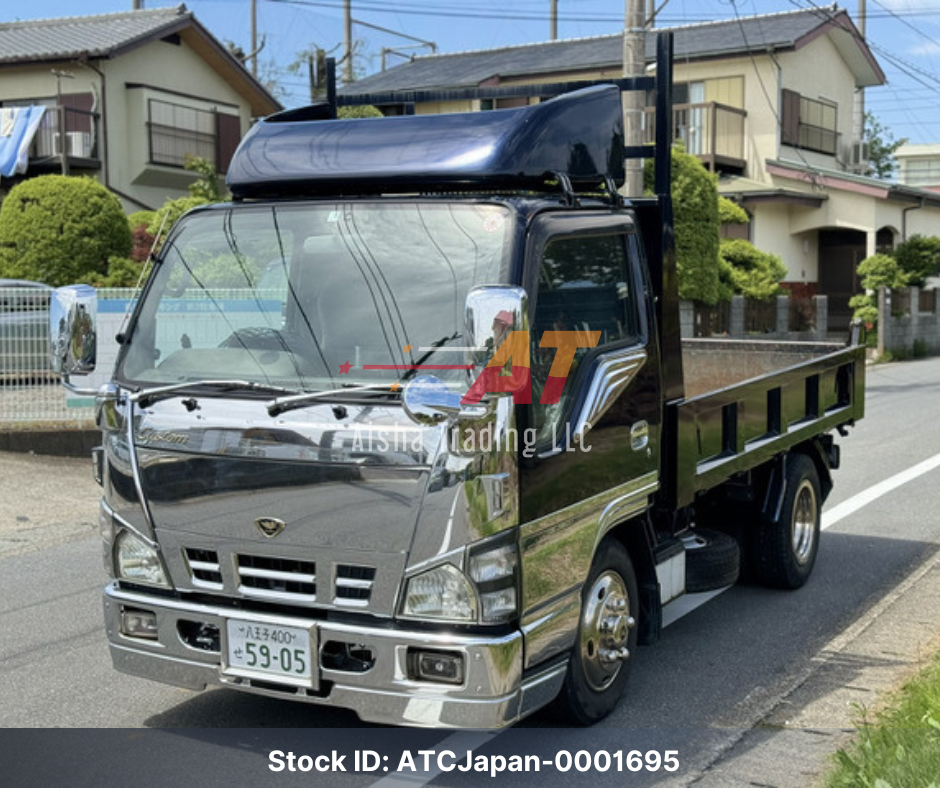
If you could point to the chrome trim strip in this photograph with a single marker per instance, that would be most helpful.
(349, 582)
(280, 596)
(613, 374)
(274, 574)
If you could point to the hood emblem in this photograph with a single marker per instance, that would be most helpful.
(270, 526)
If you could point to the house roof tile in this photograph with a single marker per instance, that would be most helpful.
(725, 38)
(85, 36)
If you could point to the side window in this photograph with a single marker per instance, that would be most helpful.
(585, 284)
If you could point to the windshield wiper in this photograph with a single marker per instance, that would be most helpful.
(147, 397)
(435, 346)
(282, 404)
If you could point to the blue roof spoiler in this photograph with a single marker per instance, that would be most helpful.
(578, 136)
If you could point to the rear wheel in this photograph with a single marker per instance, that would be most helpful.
(606, 641)
(785, 549)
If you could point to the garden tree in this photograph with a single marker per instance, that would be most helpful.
(879, 270)
(918, 258)
(881, 148)
(61, 230)
(695, 206)
(208, 186)
(169, 213)
(128, 271)
(747, 270)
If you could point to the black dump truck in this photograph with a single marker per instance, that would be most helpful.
(408, 427)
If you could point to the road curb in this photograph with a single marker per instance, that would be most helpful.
(57, 443)
(792, 742)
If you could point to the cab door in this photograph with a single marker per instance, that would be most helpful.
(591, 459)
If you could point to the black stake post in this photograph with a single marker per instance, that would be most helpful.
(331, 85)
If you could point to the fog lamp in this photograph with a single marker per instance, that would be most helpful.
(138, 623)
(441, 667)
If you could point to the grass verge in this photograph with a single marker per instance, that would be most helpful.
(900, 746)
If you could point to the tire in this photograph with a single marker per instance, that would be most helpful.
(785, 549)
(712, 560)
(606, 641)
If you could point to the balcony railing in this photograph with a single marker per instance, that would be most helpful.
(69, 132)
(713, 132)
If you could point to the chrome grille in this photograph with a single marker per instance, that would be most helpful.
(276, 578)
(354, 585)
(204, 568)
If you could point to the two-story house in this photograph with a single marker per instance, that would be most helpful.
(127, 97)
(767, 102)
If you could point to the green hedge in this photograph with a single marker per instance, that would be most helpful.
(61, 230)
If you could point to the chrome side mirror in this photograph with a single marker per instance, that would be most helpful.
(427, 400)
(491, 313)
(73, 318)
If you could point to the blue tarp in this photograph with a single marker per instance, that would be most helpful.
(17, 128)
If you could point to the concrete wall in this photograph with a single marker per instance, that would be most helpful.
(914, 333)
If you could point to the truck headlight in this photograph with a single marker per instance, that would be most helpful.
(443, 593)
(138, 561)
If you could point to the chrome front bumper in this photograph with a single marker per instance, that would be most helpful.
(492, 695)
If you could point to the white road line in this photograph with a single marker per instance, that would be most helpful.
(462, 741)
(856, 502)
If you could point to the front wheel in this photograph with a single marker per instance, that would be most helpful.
(785, 549)
(606, 641)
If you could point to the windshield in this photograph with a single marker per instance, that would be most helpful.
(315, 296)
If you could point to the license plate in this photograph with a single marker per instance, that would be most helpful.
(270, 651)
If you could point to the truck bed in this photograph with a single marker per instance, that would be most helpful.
(749, 401)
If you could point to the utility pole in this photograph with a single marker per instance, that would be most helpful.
(553, 21)
(254, 37)
(858, 119)
(634, 102)
(348, 71)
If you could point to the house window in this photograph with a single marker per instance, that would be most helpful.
(178, 131)
(809, 124)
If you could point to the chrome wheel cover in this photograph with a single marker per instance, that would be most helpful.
(805, 516)
(605, 630)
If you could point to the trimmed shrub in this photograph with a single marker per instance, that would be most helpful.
(695, 206)
(918, 258)
(749, 271)
(731, 213)
(359, 111)
(167, 216)
(879, 270)
(140, 219)
(60, 230)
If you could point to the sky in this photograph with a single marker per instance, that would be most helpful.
(904, 35)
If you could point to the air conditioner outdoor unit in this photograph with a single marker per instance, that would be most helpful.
(860, 154)
(78, 144)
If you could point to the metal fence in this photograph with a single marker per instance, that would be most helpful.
(30, 392)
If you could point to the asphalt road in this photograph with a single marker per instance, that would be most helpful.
(715, 672)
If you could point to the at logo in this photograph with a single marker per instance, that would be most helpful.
(270, 526)
(509, 369)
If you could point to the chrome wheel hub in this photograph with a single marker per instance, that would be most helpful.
(805, 514)
(605, 630)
